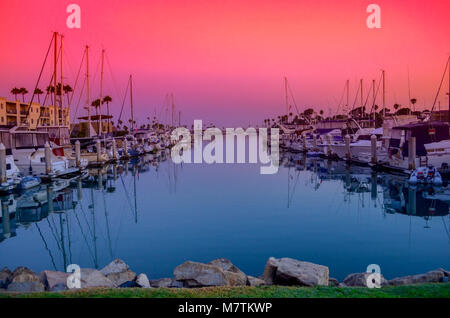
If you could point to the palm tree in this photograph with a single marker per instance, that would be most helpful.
(38, 92)
(107, 99)
(67, 89)
(50, 90)
(15, 91)
(96, 104)
(23, 91)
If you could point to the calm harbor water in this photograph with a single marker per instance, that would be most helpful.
(155, 215)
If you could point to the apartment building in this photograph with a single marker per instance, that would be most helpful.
(13, 113)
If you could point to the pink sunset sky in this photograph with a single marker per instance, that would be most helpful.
(225, 61)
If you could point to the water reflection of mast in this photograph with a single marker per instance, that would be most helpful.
(94, 237)
(135, 199)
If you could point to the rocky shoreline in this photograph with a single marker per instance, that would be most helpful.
(219, 272)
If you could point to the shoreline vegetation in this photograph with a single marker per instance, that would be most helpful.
(282, 278)
(431, 290)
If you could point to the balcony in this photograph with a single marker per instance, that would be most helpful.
(11, 111)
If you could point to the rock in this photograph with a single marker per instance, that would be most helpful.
(5, 277)
(177, 284)
(23, 274)
(94, 278)
(59, 287)
(234, 275)
(52, 279)
(446, 272)
(197, 274)
(270, 270)
(194, 274)
(129, 284)
(26, 287)
(288, 271)
(120, 278)
(226, 265)
(162, 282)
(142, 281)
(25, 280)
(118, 272)
(253, 281)
(333, 282)
(359, 280)
(116, 266)
(429, 277)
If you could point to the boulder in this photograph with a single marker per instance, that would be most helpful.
(194, 274)
(360, 280)
(142, 281)
(120, 278)
(23, 274)
(270, 270)
(333, 282)
(288, 271)
(26, 287)
(226, 265)
(435, 276)
(446, 272)
(59, 287)
(177, 284)
(24, 280)
(253, 281)
(162, 282)
(94, 278)
(5, 277)
(50, 279)
(129, 284)
(234, 275)
(116, 266)
(118, 272)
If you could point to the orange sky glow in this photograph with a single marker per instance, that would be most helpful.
(225, 61)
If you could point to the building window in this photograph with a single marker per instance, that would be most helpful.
(32, 121)
(3, 119)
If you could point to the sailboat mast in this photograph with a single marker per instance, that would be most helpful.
(384, 93)
(448, 67)
(287, 98)
(131, 101)
(88, 92)
(173, 111)
(362, 99)
(348, 95)
(100, 128)
(60, 115)
(373, 104)
(55, 61)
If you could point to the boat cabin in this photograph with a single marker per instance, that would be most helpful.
(16, 138)
(58, 134)
(424, 132)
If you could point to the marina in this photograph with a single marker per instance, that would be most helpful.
(98, 176)
(325, 211)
